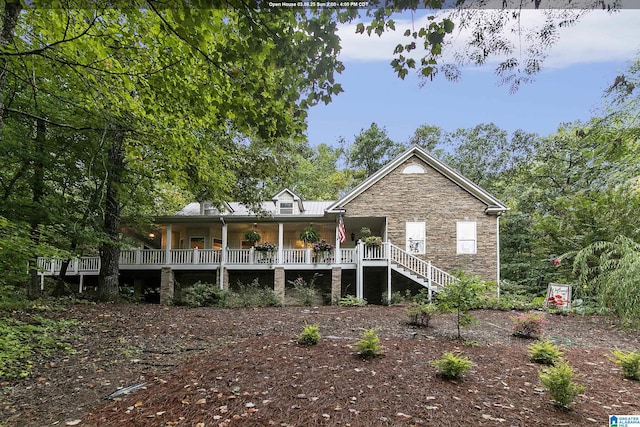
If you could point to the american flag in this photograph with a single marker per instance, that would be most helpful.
(342, 235)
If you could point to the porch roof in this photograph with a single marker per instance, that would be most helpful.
(313, 209)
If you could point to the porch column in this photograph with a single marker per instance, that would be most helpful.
(280, 242)
(223, 256)
(167, 246)
(338, 251)
(166, 286)
(278, 282)
(336, 285)
(360, 271)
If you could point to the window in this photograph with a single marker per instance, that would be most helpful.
(466, 237)
(413, 169)
(286, 208)
(416, 237)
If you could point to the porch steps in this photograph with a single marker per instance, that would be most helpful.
(420, 271)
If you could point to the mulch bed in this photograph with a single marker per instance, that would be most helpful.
(243, 367)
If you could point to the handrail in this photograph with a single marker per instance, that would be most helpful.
(419, 267)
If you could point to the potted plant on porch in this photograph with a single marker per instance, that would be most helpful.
(322, 250)
(368, 239)
(266, 251)
(309, 235)
(252, 236)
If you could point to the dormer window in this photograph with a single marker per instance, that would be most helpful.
(286, 208)
(210, 209)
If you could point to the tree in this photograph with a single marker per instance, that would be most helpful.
(490, 35)
(148, 82)
(371, 149)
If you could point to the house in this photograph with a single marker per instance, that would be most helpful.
(430, 218)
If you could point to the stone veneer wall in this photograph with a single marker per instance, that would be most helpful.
(440, 203)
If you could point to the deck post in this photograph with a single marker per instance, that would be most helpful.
(336, 285)
(196, 256)
(429, 280)
(279, 283)
(138, 256)
(166, 286)
(359, 271)
(388, 245)
(80, 285)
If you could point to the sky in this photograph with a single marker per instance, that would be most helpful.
(582, 64)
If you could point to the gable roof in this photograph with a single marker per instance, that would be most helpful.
(494, 206)
(293, 195)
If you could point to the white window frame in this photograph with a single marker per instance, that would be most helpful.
(413, 229)
(287, 207)
(466, 237)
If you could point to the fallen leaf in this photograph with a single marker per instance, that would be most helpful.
(201, 401)
(73, 422)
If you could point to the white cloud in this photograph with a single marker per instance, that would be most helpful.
(598, 36)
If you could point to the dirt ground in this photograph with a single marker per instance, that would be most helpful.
(243, 367)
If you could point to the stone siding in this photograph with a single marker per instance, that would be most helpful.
(440, 203)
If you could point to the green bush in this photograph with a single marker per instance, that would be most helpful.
(351, 301)
(310, 335)
(253, 295)
(420, 314)
(369, 345)
(306, 292)
(544, 352)
(559, 382)
(451, 366)
(21, 341)
(459, 297)
(396, 298)
(422, 297)
(630, 363)
(527, 325)
(204, 295)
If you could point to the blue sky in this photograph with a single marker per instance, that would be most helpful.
(579, 68)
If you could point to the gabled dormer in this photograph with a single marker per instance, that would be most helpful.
(210, 208)
(288, 203)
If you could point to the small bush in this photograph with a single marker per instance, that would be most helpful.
(310, 335)
(396, 298)
(21, 341)
(351, 301)
(204, 295)
(527, 325)
(559, 382)
(451, 366)
(422, 297)
(420, 314)
(306, 292)
(369, 345)
(253, 295)
(544, 352)
(630, 363)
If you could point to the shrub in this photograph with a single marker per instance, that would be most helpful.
(422, 297)
(420, 314)
(527, 325)
(559, 382)
(253, 295)
(351, 301)
(20, 341)
(310, 335)
(544, 352)
(630, 363)
(369, 345)
(306, 292)
(451, 366)
(396, 298)
(459, 297)
(204, 295)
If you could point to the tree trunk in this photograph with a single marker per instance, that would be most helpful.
(110, 249)
(9, 20)
(37, 189)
